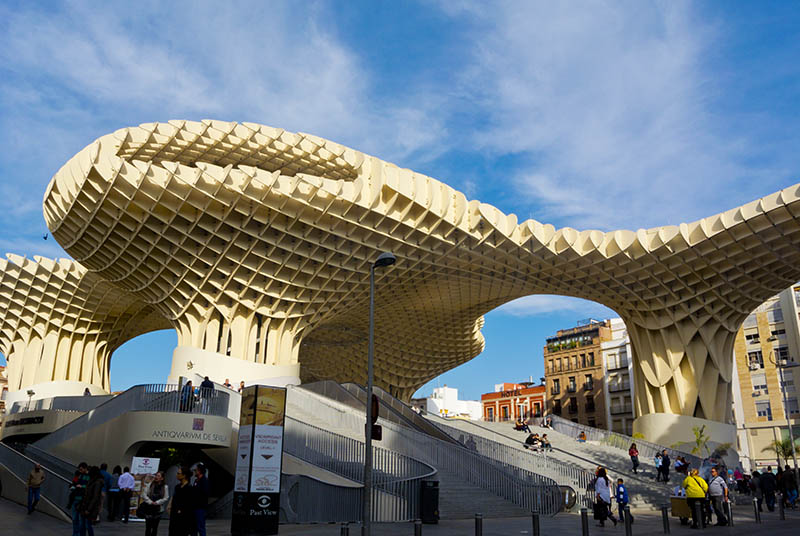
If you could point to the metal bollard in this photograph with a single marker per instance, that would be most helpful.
(345, 530)
(417, 527)
(665, 518)
(729, 507)
(535, 523)
(627, 521)
(584, 522)
(757, 514)
(700, 509)
(478, 524)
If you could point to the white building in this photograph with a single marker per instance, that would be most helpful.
(618, 372)
(444, 402)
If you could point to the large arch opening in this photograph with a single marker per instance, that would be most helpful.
(143, 359)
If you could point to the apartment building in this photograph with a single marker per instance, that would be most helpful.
(617, 356)
(764, 393)
(574, 372)
(512, 401)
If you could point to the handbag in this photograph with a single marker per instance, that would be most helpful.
(600, 510)
(144, 510)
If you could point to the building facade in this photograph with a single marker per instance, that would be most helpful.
(618, 386)
(445, 403)
(764, 394)
(574, 373)
(512, 401)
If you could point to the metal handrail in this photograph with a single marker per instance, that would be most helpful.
(520, 486)
(55, 488)
(646, 449)
(148, 397)
(563, 473)
(60, 403)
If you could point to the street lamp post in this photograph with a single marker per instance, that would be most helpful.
(779, 363)
(384, 259)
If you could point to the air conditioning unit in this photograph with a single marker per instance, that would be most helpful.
(756, 393)
(754, 366)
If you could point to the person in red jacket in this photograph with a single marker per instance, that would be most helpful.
(633, 452)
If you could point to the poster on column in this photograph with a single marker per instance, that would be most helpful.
(256, 497)
(142, 470)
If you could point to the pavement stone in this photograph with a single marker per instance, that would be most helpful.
(15, 522)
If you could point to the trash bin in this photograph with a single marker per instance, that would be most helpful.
(429, 501)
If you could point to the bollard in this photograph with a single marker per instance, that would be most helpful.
(345, 530)
(700, 509)
(627, 521)
(584, 522)
(478, 524)
(781, 511)
(665, 518)
(757, 514)
(417, 527)
(535, 523)
(729, 507)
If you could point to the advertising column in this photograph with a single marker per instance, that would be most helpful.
(257, 487)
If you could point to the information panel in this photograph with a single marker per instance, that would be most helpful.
(257, 488)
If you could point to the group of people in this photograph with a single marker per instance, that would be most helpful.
(536, 443)
(92, 488)
(206, 392)
(604, 491)
(764, 485)
(704, 496)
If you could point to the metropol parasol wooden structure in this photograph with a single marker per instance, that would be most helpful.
(255, 245)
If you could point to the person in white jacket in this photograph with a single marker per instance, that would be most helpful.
(602, 487)
(155, 496)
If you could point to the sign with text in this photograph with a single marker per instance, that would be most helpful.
(257, 485)
(142, 470)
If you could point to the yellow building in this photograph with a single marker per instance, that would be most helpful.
(764, 393)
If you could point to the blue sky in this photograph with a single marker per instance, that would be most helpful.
(573, 113)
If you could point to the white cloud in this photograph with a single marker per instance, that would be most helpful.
(549, 304)
(609, 105)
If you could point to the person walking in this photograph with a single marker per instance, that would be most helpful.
(241, 386)
(718, 493)
(622, 499)
(602, 488)
(206, 393)
(89, 506)
(755, 487)
(200, 493)
(768, 486)
(696, 489)
(187, 396)
(657, 463)
(35, 481)
(77, 490)
(633, 452)
(155, 496)
(181, 506)
(107, 480)
(113, 493)
(791, 486)
(126, 485)
(665, 461)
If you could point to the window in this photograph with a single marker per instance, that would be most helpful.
(759, 382)
(589, 403)
(556, 387)
(778, 330)
(588, 382)
(755, 360)
(592, 422)
(557, 407)
(537, 409)
(782, 354)
(575, 360)
(504, 412)
(763, 409)
(572, 384)
(787, 383)
(590, 358)
(550, 368)
(792, 407)
(573, 405)
(583, 360)
(752, 338)
(490, 414)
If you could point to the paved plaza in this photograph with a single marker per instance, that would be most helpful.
(14, 521)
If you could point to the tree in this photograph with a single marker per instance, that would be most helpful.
(783, 449)
(700, 441)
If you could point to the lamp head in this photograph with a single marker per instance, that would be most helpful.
(31, 392)
(384, 259)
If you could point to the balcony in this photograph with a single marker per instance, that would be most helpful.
(617, 387)
(619, 409)
(589, 386)
(555, 390)
(618, 364)
(571, 389)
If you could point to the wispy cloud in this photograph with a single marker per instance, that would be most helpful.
(609, 106)
(550, 305)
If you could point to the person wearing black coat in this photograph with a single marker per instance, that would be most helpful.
(181, 506)
(89, 507)
(768, 486)
(200, 493)
(665, 461)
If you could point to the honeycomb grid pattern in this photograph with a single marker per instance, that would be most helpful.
(256, 243)
(60, 322)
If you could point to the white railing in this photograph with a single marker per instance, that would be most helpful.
(61, 403)
(647, 450)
